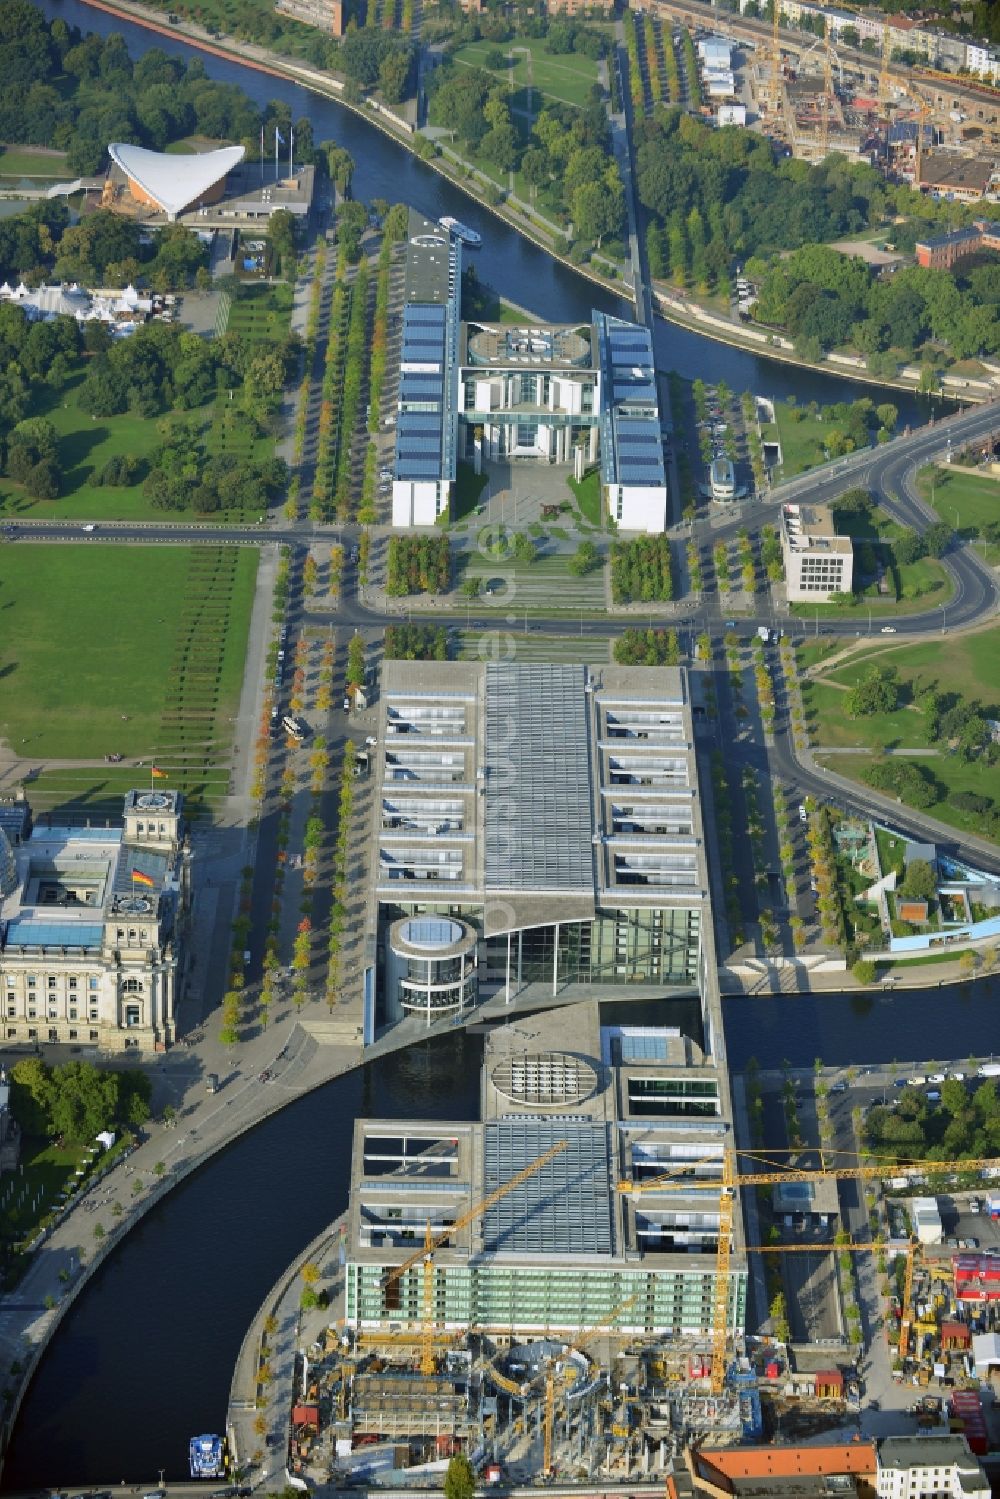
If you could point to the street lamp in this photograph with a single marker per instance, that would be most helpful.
(944, 617)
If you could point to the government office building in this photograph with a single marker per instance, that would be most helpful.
(93, 922)
(540, 843)
(575, 395)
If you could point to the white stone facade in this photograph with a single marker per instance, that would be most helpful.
(92, 932)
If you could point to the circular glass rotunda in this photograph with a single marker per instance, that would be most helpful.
(432, 966)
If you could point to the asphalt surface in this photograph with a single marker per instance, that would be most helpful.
(889, 471)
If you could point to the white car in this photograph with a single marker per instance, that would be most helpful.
(958, 1076)
(888, 629)
(803, 814)
(936, 1077)
(90, 528)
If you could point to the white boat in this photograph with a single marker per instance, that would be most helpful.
(461, 231)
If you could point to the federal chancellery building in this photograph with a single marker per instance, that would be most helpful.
(579, 395)
(93, 925)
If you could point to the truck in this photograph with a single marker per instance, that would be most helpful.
(989, 1069)
(764, 634)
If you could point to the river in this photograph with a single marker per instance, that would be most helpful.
(145, 1357)
(512, 265)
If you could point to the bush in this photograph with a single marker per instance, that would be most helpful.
(865, 971)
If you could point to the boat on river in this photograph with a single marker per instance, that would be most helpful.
(207, 1456)
(461, 231)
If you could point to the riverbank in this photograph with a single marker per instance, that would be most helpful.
(262, 60)
(686, 312)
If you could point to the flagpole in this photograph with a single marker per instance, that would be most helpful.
(262, 155)
(275, 152)
(291, 141)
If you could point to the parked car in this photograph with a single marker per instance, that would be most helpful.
(840, 1087)
(936, 1077)
(888, 629)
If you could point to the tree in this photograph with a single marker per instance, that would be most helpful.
(310, 1273)
(865, 971)
(908, 548)
(875, 692)
(584, 559)
(919, 882)
(459, 1480)
(938, 538)
(954, 1099)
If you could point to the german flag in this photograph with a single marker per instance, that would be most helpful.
(138, 878)
(157, 773)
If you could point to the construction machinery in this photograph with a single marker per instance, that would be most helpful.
(719, 1172)
(433, 1242)
(580, 1344)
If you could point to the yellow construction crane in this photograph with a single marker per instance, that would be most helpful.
(725, 1178)
(433, 1241)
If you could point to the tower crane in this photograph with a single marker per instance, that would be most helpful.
(432, 1243)
(725, 1178)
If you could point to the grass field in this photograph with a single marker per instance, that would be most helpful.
(261, 311)
(138, 653)
(588, 496)
(966, 501)
(968, 665)
(480, 645)
(85, 445)
(803, 439)
(25, 161)
(545, 584)
(567, 78)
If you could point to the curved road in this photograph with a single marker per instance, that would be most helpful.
(889, 471)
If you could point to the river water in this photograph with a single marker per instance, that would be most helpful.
(511, 264)
(145, 1357)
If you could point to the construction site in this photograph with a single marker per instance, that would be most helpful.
(559, 1290)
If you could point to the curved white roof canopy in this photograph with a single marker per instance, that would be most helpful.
(175, 181)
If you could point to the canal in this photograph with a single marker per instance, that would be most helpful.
(144, 1359)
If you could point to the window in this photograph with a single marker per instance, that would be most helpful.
(53, 1033)
(32, 1033)
(51, 982)
(11, 1032)
(139, 827)
(92, 983)
(72, 983)
(131, 934)
(72, 1012)
(132, 986)
(11, 1011)
(133, 1016)
(32, 1012)
(120, 933)
(31, 981)
(74, 1035)
(94, 1035)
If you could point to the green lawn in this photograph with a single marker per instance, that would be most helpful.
(588, 497)
(567, 78)
(93, 632)
(261, 311)
(968, 665)
(85, 445)
(803, 438)
(966, 501)
(25, 161)
(545, 584)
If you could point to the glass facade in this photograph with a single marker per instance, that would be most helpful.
(533, 1297)
(622, 947)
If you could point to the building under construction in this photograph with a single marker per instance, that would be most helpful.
(540, 1255)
